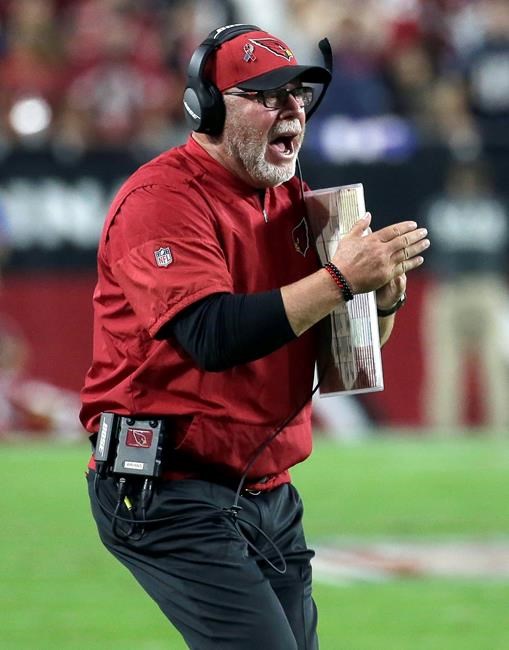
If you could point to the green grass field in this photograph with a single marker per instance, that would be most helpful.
(60, 589)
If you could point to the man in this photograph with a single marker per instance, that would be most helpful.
(204, 310)
(463, 307)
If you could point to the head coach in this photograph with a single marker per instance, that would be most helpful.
(198, 399)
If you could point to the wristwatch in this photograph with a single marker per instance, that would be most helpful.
(382, 313)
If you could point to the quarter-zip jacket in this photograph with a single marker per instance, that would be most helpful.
(181, 228)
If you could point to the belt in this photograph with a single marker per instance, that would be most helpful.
(233, 483)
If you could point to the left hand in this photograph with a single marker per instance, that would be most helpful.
(391, 292)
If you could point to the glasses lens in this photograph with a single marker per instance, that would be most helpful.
(274, 98)
(279, 98)
(305, 95)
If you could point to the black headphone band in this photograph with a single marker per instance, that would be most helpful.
(214, 40)
(228, 32)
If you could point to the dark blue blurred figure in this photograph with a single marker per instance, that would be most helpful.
(358, 88)
(466, 306)
(486, 71)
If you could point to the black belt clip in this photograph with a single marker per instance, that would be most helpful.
(128, 445)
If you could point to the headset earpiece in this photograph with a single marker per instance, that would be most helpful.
(204, 108)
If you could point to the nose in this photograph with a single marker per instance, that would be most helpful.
(291, 108)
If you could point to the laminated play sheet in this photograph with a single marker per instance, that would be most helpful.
(349, 358)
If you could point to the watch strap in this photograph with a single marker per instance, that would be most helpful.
(382, 313)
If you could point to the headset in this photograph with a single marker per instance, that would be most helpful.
(203, 102)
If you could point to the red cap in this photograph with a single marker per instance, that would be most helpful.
(259, 61)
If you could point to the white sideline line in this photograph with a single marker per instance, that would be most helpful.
(344, 563)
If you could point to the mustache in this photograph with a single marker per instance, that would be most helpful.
(292, 127)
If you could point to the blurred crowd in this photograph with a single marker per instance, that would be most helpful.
(28, 404)
(88, 74)
(95, 75)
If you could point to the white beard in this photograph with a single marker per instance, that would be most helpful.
(247, 145)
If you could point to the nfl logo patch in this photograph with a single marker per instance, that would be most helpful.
(163, 256)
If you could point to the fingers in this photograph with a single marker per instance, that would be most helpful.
(389, 233)
(410, 245)
(391, 292)
(381, 257)
(408, 265)
(400, 282)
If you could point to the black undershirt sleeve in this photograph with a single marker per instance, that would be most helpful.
(224, 330)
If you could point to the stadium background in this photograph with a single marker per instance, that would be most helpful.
(89, 89)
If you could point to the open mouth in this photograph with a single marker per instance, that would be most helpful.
(285, 144)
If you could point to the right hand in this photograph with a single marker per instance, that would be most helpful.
(369, 261)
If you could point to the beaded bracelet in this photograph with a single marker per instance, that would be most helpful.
(340, 280)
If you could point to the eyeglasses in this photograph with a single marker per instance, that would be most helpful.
(278, 98)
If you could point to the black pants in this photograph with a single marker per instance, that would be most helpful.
(207, 580)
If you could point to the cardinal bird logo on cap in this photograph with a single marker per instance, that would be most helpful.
(274, 46)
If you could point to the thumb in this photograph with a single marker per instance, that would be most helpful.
(361, 225)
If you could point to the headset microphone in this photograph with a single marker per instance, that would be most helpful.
(326, 50)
